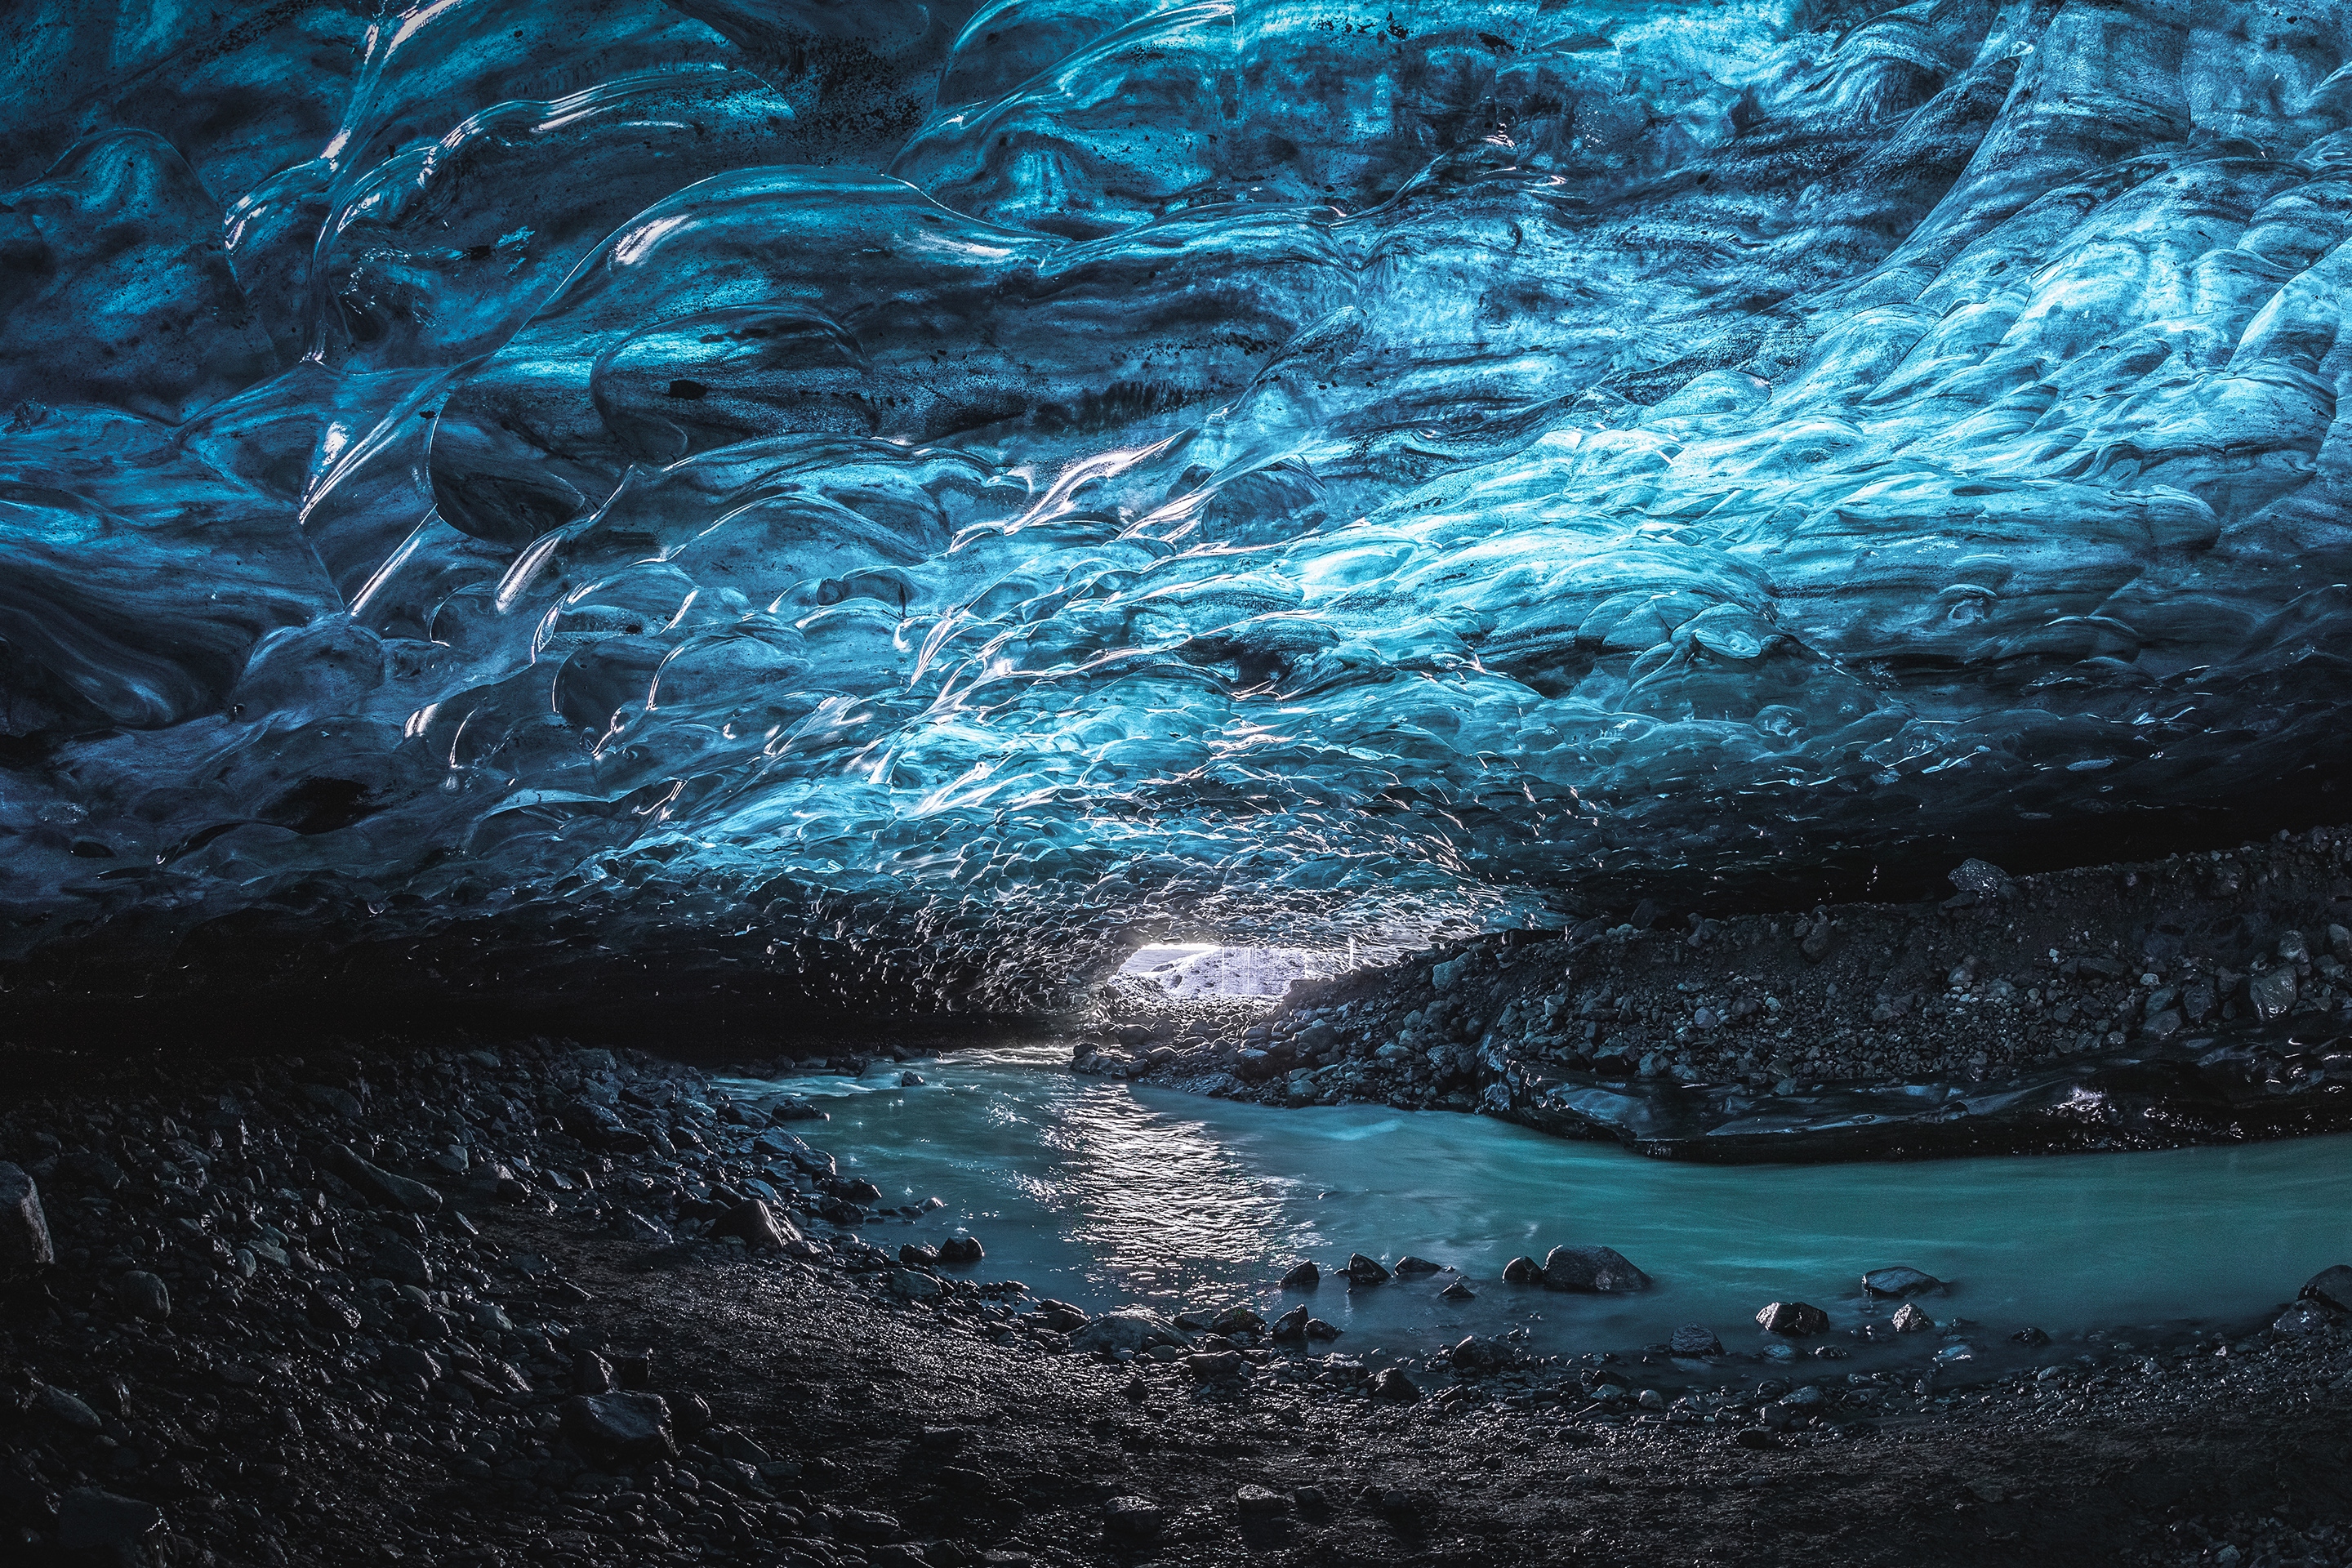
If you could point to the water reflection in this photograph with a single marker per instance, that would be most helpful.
(1104, 1194)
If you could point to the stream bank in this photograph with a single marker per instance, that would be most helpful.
(465, 1305)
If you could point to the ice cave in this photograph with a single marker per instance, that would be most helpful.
(1579, 762)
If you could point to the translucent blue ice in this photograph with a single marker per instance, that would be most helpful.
(909, 495)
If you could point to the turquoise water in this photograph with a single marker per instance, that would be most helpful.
(1105, 1194)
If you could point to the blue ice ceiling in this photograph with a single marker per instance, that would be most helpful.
(917, 493)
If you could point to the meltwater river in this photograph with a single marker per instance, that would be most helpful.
(1103, 1194)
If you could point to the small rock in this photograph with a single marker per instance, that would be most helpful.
(24, 1229)
(1458, 1291)
(387, 1190)
(1474, 1354)
(1237, 1320)
(629, 1425)
(1651, 1399)
(1130, 1331)
(144, 1296)
(1900, 1280)
(1523, 1271)
(1131, 1518)
(401, 1263)
(756, 1226)
(1600, 1269)
(958, 1251)
(909, 1286)
(2330, 1287)
(2029, 1337)
(1363, 1272)
(1260, 1502)
(61, 1406)
(1291, 1327)
(914, 1255)
(1756, 1438)
(1392, 1383)
(1795, 1318)
(1302, 1276)
(910, 1080)
(1909, 1320)
(1316, 1329)
(1410, 1267)
(1695, 1340)
(1208, 1365)
(407, 1361)
(2305, 1317)
(94, 1521)
(2272, 993)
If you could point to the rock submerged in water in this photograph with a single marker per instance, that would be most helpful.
(1303, 1276)
(1459, 1290)
(1909, 1320)
(1522, 1271)
(1600, 1270)
(1412, 1268)
(1363, 1272)
(1794, 1319)
(1900, 1281)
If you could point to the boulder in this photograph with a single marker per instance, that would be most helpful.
(1600, 1270)
(143, 1295)
(909, 1286)
(600, 1127)
(1474, 1354)
(1909, 1320)
(2272, 993)
(24, 1229)
(1393, 1385)
(1363, 1272)
(756, 1224)
(1131, 1518)
(1899, 1281)
(1237, 1320)
(64, 1408)
(102, 1526)
(1127, 1330)
(959, 1251)
(1260, 1502)
(1523, 1271)
(628, 1425)
(1208, 1365)
(1412, 1268)
(381, 1185)
(2331, 1287)
(407, 1361)
(1302, 1276)
(1316, 1329)
(1794, 1319)
(1458, 1291)
(1291, 1327)
(1695, 1340)
(2305, 1317)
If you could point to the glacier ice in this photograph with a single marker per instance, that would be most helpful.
(889, 506)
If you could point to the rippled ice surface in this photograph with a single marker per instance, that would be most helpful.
(886, 501)
(1105, 1193)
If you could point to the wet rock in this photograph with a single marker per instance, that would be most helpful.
(2330, 1286)
(1756, 1438)
(1260, 1503)
(592, 1374)
(909, 1286)
(2272, 993)
(407, 1361)
(1130, 1331)
(2029, 1337)
(1523, 1271)
(1474, 1354)
(756, 1224)
(332, 1313)
(2305, 1317)
(399, 1262)
(1364, 1271)
(1208, 1365)
(1291, 1327)
(1393, 1385)
(1302, 1276)
(1316, 1329)
(910, 1080)
(1899, 1281)
(626, 1426)
(1909, 1320)
(1131, 1518)
(1695, 1340)
(959, 1251)
(1600, 1269)
(600, 1128)
(914, 1255)
(1459, 1290)
(381, 1185)
(1237, 1320)
(1794, 1319)
(103, 1526)
(24, 1229)
(1412, 1268)
(60, 1406)
(143, 1295)
(866, 1526)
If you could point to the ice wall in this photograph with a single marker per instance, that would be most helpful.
(875, 504)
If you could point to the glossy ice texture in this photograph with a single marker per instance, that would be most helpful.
(904, 496)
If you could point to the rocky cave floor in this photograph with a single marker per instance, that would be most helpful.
(532, 1304)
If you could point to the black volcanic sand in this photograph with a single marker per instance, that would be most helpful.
(2201, 998)
(379, 1366)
